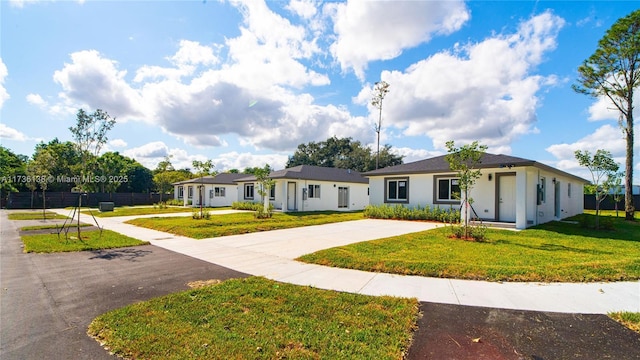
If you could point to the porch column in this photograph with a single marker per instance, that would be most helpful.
(521, 199)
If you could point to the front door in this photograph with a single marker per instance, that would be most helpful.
(343, 197)
(507, 198)
(291, 196)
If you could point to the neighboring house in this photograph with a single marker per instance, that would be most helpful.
(310, 188)
(219, 190)
(511, 189)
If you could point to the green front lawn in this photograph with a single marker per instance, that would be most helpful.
(91, 240)
(256, 318)
(138, 210)
(241, 223)
(35, 215)
(553, 252)
(628, 319)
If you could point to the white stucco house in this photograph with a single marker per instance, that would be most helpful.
(310, 188)
(511, 189)
(213, 191)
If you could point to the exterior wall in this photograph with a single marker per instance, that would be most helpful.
(328, 200)
(231, 194)
(486, 197)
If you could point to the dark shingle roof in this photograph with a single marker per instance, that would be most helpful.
(222, 179)
(309, 172)
(438, 164)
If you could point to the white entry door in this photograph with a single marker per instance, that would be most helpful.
(291, 196)
(507, 198)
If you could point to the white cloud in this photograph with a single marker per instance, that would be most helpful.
(240, 161)
(607, 137)
(480, 91)
(303, 8)
(381, 30)
(118, 143)
(603, 109)
(37, 100)
(95, 81)
(11, 133)
(4, 95)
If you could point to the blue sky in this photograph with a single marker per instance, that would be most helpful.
(244, 82)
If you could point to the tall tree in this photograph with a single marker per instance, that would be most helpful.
(342, 153)
(12, 171)
(202, 168)
(90, 135)
(380, 90)
(603, 173)
(464, 160)
(66, 166)
(613, 71)
(39, 172)
(266, 183)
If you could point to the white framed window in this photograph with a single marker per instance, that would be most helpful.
(272, 193)
(569, 189)
(190, 192)
(543, 190)
(314, 191)
(396, 190)
(211, 194)
(180, 192)
(220, 191)
(447, 189)
(248, 191)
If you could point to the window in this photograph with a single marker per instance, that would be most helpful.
(190, 192)
(210, 194)
(314, 191)
(220, 192)
(569, 189)
(397, 190)
(248, 191)
(448, 189)
(272, 193)
(180, 192)
(543, 189)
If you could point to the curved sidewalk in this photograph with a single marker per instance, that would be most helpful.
(270, 254)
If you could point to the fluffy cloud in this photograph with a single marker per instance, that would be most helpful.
(95, 81)
(381, 30)
(607, 137)
(480, 91)
(11, 133)
(4, 95)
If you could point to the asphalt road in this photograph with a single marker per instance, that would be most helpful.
(48, 300)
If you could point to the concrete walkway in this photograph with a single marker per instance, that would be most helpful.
(270, 254)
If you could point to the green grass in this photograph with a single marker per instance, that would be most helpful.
(35, 215)
(256, 318)
(54, 226)
(137, 210)
(241, 223)
(553, 252)
(628, 319)
(91, 240)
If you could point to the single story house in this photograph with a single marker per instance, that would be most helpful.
(310, 188)
(215, 191)
(511, 189)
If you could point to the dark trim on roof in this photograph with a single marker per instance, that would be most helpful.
(438, 164)
(219, 179)
(310, 172)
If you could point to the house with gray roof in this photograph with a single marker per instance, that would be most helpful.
(211, 191)
(310, 188)
(511, 190)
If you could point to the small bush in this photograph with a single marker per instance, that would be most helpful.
(174, 202)
(401, 212)
(246, 205)
(261, 214)
(196, 215)
(160, 205)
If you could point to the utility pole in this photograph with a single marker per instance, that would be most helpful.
(380, 89)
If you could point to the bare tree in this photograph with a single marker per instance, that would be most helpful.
(380, 90)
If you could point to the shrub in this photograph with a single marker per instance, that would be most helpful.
(401, 212)
(206, 214)
(245, 205)
(261, 214)
(174, 202)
